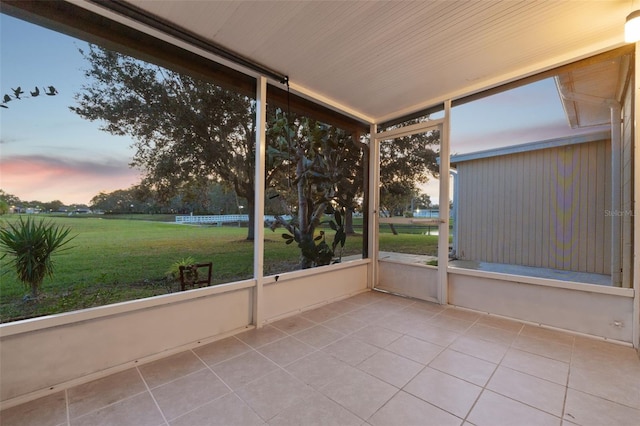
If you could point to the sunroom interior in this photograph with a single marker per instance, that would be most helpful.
(368, 67)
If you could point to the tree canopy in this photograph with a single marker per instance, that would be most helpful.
(405, 163)
(190, 133)
(187, 132)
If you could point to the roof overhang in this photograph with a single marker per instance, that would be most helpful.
(587, 92)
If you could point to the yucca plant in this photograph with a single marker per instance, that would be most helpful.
(174, 271)
(31, 243)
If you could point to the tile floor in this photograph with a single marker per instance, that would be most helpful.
(372, 359)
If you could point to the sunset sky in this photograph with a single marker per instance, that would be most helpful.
(48, 152)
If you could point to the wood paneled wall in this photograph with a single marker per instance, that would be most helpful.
(544, 208)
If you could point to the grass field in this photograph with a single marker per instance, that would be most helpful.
(115, 259)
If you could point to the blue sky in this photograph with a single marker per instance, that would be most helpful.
(48, 152)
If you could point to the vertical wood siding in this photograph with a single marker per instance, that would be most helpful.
(543, 208)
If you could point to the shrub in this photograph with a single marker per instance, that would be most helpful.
(31, 243)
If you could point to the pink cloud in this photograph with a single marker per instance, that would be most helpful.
(47, 178)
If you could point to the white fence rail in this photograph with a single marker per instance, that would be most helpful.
(219, 219)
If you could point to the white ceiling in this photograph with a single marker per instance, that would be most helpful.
(382, 59)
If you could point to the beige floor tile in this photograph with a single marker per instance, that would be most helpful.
(547, 334)
(189, 392)
(345, 324)
(285, 351)
(460, 350)
(609, 382)
(407, 410)
(318, 336)
(428, 306)
(350, 350)
(589, 410)
(497, 410)
(271, 394)
(139, 410)
(376, 336)
(170, 368)
(595, 348)
(262, 336)
(499, 322)
(320, 315)
(413, 313)
(451, 323)
(342, 307)
(431, 309)
(386, 305)
(536, 365)
(293, 324)
(317, 410)
(229, 410)
(483, 349)
(546, 348)
(105, 391)
(221, 350)
(596, 354)
(463, 366)
(393, 369)
(438, 335)
(530, 390)
(400, 323)
(602, 363)
(366, 298)
(318, 369)
(444, 391)
(461, 314)
(368, 314)
(45, 411)
(491, 334)
(359, 392)
(415, 349)
(400, 301)
(238, 371)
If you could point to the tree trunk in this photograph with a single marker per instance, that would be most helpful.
(393, 229)
(348, 221)
(251, 232)
(34, 290)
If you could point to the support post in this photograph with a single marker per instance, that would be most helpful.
(374, 205)
(636, 202)
(259, 179)
(443, 202)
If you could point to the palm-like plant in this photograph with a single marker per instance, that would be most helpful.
(31, 244)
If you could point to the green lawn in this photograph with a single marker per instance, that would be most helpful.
(115, 259)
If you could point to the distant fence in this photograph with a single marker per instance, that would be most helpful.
(219, 219)
(426, 213)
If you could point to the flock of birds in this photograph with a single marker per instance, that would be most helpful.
(18, 94)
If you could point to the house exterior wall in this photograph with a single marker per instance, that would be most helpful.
(542, 208)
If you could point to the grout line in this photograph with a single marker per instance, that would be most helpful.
(566, 387)
(111, 404)
(66, 400)
(484, 387)
(231, 391)
(146, 385)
